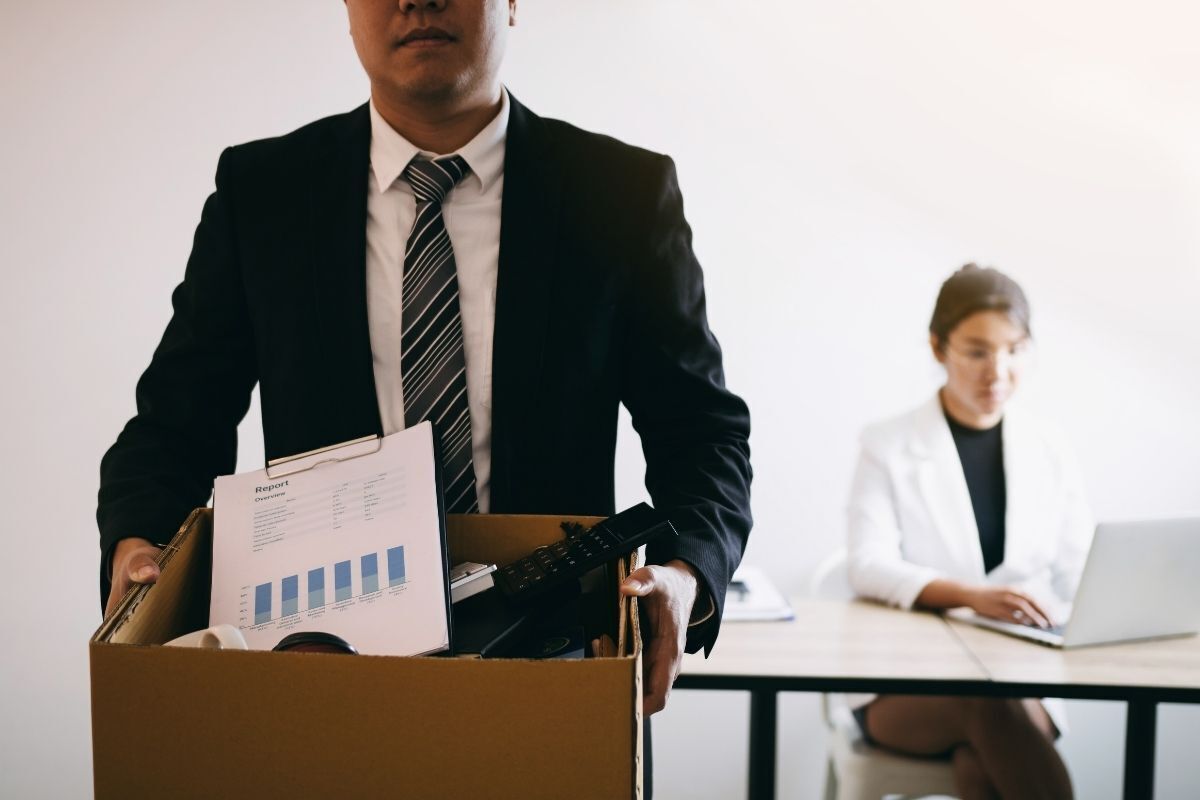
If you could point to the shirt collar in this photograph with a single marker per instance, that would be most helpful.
(391, 152)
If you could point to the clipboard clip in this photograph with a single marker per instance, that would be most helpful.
(277, 463)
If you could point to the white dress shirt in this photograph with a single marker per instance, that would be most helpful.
(471, 212)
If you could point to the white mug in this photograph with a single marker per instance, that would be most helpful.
(218, 637)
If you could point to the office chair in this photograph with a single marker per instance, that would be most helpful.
(854, 769)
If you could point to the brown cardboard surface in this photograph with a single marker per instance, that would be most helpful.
(186, 722)
(180, 596)
(502, 538)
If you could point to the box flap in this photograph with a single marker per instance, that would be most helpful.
(634, 650)
(503, 538)
(178, 602)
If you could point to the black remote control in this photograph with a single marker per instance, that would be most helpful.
(551, 565)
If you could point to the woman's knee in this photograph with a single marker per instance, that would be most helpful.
(918, 725)
(997, 712)
(969, 775)
(1041, 718)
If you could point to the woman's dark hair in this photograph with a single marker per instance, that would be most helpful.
(972, 289)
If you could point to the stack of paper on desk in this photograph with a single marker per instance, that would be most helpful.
(753, 598)
(348, 541)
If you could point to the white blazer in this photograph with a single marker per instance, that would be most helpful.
(911, 519)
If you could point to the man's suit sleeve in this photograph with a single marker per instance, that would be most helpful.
(694, 431)
(191, 397)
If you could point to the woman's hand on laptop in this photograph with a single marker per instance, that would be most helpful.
(1009, 605)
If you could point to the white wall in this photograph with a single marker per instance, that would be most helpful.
(838, 161)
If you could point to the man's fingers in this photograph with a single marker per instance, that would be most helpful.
(142, 568)
(120, 585)
(667, 617)
(664, 658)
(661, 668)
(139, 567)
(639, 583)
(655, 697)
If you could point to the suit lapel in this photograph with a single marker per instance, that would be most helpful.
(528, 233)
(944, 489)
(337, 221)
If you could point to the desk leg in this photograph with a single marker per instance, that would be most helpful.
(1140, 728)
(763, 712)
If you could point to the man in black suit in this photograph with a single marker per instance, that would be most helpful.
(586, 266)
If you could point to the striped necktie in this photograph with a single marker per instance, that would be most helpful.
(433, 366)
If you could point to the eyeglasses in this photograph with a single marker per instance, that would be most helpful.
(1000, 359)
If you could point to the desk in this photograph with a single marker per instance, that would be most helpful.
(837, 646)
(1142, 674)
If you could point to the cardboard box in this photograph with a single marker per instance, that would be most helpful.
(182, 722)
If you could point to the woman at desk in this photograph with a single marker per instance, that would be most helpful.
(968, 501)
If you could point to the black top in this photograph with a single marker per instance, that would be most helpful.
(982, 457)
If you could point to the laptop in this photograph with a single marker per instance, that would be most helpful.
(1139, 582)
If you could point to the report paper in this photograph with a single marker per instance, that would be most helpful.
(753, 598)
(346, 542)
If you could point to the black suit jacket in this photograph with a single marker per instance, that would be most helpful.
(599, 301)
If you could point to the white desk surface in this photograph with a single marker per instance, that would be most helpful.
(835, 638)
(1173, 663)
(858, 639)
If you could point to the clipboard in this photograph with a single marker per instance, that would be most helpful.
(337, 453)
(276, 474)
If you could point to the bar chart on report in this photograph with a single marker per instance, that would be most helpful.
(352, 580)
